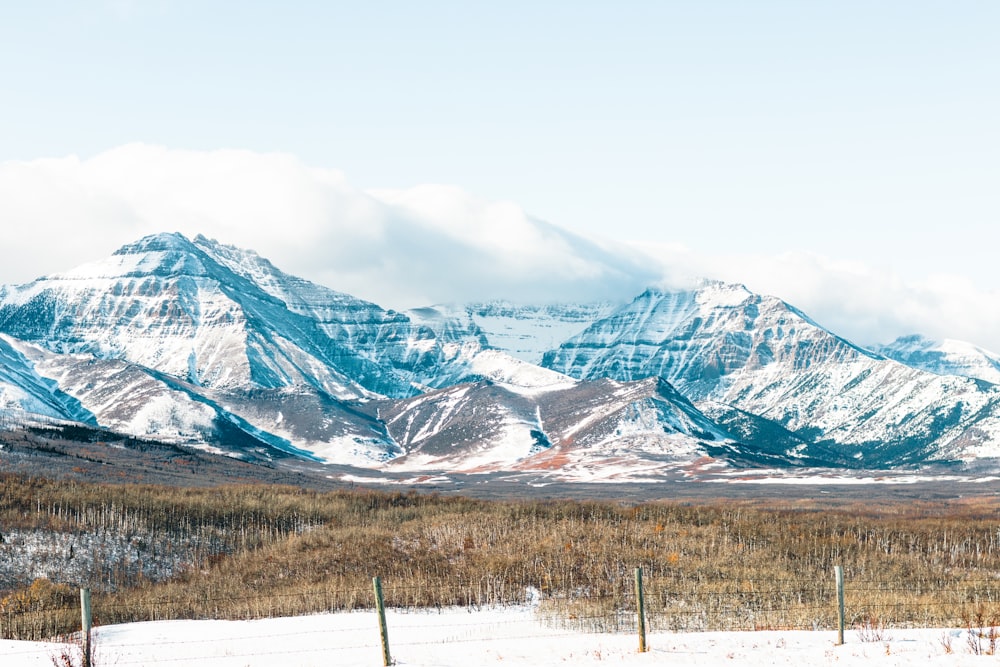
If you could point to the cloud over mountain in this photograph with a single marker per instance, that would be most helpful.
(867, 304)
(401, 248)
(429, 243)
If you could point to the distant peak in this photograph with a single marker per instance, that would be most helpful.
(157, 243)
(722, 286)
(911, 339)
(705, 286)
(217, 246)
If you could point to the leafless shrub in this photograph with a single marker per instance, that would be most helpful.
(269, 551)
(982, 635)
(71, 653)
(871, 629)
(68, 656)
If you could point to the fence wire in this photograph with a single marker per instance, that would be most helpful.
(747, 605)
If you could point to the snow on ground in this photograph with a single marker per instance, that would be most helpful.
(519, 376)
(820, 477)
(460, 638)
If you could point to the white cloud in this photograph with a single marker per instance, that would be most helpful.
(399, 248)
(864, 304)
(426, 244)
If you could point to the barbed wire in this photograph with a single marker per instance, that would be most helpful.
(713, 599)
(738, 602)
(35, 651)
(548, 635)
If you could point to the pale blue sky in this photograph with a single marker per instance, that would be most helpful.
(861, 131)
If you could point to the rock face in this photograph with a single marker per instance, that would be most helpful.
(24, 390)
(165, 303)
(199, 342)
(596, 429)
(722, 344)
(699, 339)
(226, 319)
(202, 343)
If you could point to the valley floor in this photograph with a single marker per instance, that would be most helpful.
(512, 636)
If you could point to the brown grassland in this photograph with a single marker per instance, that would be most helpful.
(268, 550)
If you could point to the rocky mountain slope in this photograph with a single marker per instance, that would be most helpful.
(723, 345)
(193, 341)
(165, 304)
(603, 429)
(23, 389)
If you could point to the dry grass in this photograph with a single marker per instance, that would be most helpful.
(281, 551)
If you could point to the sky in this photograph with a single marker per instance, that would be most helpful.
(842, 155)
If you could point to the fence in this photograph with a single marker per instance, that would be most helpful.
(654, 605)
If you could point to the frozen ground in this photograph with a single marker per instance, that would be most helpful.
(459, 638)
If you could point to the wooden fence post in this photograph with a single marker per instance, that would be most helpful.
(383, 630)
(640, 607)
(85, 617)
(838, 573)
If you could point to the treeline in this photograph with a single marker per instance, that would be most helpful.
(281, 551)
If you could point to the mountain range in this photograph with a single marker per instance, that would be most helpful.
(202, 344)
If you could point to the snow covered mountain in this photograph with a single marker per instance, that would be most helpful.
(944, 357)
(524, 331)
(202, 343)
(723, 345)
(198, 342)
(23, 389)
(568, 429)
(227, 319)
(166, 304)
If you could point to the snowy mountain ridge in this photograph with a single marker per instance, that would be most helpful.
(721, 344)
(944, 357)
(199, 342)
(212, 345)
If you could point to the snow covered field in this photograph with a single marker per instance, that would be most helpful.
(461, 638)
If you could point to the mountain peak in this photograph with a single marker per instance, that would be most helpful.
(706, 286)
(163, 242)
(169, 324)
(944, 357)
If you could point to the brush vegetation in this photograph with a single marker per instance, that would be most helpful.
(257, 551)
